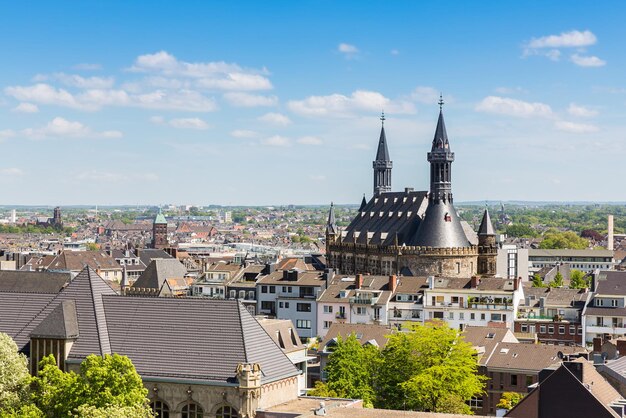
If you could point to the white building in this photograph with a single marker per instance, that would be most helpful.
(604, 315)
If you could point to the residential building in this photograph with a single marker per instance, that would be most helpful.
(551, 315)
(292, 294)
(355, 300)
(163, 277)
(215, 279)
(75, 261)
(512, 262)
(604, 315)
(472, 301)
(407, 302)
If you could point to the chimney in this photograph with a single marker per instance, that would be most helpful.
(393, 282)
(597, 345)
(518, 283)
(609, 237)
(431, 282)
(475, 282)
(359, 281)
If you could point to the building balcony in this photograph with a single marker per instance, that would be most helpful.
(606, 329)
(340, 315)
(363, 300)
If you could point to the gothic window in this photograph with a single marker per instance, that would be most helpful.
(160, 409)
(193, 410)
(227, 412)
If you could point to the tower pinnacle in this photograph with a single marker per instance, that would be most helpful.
(382, 164)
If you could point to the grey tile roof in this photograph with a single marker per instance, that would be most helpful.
(440, 228)
(33, 281)
(189, 338)
(18, 313)
(611, 283)
(486, 227)
(386, 215)
(61, 323)
(160, 270)
(382, 154)
(146, 255)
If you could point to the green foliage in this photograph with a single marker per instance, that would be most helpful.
(509, 400)
(429, 368)
(537, 281)
(559, 240)
(114, 411)
(102, 382)
(92, 246)
(14, 376)
(349, 370)
(521, 231)
(577, 280)
(321, 389)
(557, 281)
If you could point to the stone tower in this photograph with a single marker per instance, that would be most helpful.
(57, 221)
(331, 228)
(382, 164)
(159, 231)
(249, 378)
(487, 248)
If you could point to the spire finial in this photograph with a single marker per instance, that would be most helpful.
(382, 117)
(441, 102)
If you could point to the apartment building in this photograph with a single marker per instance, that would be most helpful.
(604, 315)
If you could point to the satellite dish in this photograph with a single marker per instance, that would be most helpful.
(560, 355)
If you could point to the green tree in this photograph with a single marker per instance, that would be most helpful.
(520, 230)
(557, 281)
(92, 246)
(321, 389)
(102, 382)
(14, 376)
(553, 239)
(577, 280)
(537, 281)
(349, 370)
(509, 400)
(429, 368)
(113, 411)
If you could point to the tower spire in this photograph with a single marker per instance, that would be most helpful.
(382, 165)
(440, 158)
(331, 225)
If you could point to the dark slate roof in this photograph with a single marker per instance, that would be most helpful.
(160, 270)
(146, 255)
(33, 281)
(486, 227)
(363, 203)
(331, 225)
(192, 338)
(18, 312)
(382, 154)
(384, 216)
(440, 139)
(435, 231)
(61, 323)
(611, 283)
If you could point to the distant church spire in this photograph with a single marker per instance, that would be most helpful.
(382, 164)
(331, 225)
(440, 158)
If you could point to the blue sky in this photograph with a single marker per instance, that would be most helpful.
(254, 103)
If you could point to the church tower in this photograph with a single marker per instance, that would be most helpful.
(441, 227)
(331, 229)
(382, 165)
(487, 249)
(159, 231)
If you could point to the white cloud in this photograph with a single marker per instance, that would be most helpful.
(241, 99)
(11, 172)
(510, 90)
(426, 95)
(581, 111)
(26, 108)
(587, 61)
(553, 54)
(339, 105)
(394, 52)
(181, 123)
(87, 67)
(275, 119)
(310, 140)
(513, 107)
(7, 133)
(212, 75)
(94, 99)
(189, 123)
(74, 80)
(243, 133)
(62, 128)
(276, 141)
(348, 50)
(570, 39)
(576, 128)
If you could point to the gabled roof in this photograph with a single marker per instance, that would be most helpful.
(33, 281)
(146, 255)
(365, 333)
(77, 260)
(158, 271)
(61, 323)
(161, 335)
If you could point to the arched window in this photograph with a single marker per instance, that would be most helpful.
(192, 410)
(227, 412)
(160, 409)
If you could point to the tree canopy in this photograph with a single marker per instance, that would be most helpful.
(14, 376)
(557, 281)
(429, 368)
(538, 281)
(554, 239)
(509, 400)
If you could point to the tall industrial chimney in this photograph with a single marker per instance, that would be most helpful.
(609, 237)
